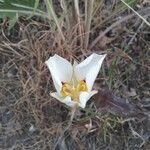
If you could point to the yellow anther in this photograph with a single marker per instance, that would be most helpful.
(66, 89)
(81, 86)
(73, 91)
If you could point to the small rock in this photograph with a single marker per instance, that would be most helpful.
(32, 129)
(131, 93)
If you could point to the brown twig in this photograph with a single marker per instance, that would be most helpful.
(144, 11)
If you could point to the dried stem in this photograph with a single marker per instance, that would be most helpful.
(136, 13)
(116, 24)
(88, 19)
(76, 4)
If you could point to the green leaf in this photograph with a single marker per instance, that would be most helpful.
(21, 7)
(17, 4)
(12, 8)
(13, 21)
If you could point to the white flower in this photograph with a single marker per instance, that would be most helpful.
(74, 83)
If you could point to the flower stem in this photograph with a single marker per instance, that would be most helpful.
(60, 139)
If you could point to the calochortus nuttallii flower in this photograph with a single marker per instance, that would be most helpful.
(73, 83)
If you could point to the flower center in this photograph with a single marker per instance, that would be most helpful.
(73, 91)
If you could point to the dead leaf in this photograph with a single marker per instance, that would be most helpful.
(107, 101)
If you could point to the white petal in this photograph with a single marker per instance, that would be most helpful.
(89, 68)
(67, 100)
(61, 70)
(84, 97)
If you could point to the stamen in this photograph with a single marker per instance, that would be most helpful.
(73, 91)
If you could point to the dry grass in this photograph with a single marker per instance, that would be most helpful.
(31, 119)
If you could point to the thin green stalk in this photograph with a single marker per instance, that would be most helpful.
(36, 6)
(27, 7)
(51, 13)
